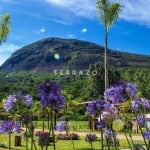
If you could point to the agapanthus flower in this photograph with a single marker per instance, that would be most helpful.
(42, 134)
(109, 134)
(100, 124)
(145, 103)
(140, 120)
(147, 135)
(50, 95)
(130, 89)
(43, 138)
(12, 100)
(97, 106)
(10, 127)
(136, 103)
(9, 102)
(140, 103)
(120, 92)
(91, 137)
(61, 126)
(114, 94)
(109, 116)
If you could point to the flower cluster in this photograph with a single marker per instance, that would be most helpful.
(97, 106)
(12, 100)
(50, 95)
(140, 103)
(120, 92)
(141, 119)
(43, 135)
(43, 138)
(61, 126)
(100, 124)
(109, 134)
(10, 127)
(109, 116)
(91, 137)
(147, 135)
(72, 136)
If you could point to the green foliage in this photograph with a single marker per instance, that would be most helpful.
(108, 12)
(4, 27)
(97, 81)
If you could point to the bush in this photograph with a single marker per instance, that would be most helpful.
(72, 136)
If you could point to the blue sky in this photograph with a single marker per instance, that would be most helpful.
(32, 20)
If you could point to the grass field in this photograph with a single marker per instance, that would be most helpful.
(60, 144)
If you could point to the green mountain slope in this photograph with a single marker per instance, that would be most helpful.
(74, 54)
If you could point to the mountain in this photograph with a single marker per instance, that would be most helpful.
(58, 54)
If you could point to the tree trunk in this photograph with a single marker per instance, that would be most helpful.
(105, 58)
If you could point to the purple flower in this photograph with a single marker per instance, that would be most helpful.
(50, 95)
(136, 103)
(140, 103)
(114, 94)
(9, 102)
(140, 120)
(10, 127)
(17, 99)
(145, 103)
(97, 106)
(109, 134)
(147, 135)
(27, 100)
(91, 137)
(109, 116)
(43, 135)
(131, 89)
(43, 138)
(100, 124)
(120, 92)
(61, 126)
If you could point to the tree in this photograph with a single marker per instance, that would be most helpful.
(108, 13)
(97, 86)
(4, 27)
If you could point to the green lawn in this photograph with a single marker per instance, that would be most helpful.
(61, 144)
(74, 125)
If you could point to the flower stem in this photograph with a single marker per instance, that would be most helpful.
(26, 136)
(102, 144)
(9, 141)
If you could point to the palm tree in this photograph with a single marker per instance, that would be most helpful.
(107, 13)
(4, 27)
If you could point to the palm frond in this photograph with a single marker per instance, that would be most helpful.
(4, 27)
(113, 12)
(107, 12)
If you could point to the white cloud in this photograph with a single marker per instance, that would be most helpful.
(132, 11)
(6, 50)
(84, 30)
(83, 8)
(136, 11)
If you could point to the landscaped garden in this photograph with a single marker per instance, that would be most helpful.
(103, 108)
(113, 129)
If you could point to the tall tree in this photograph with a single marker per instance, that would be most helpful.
(4, 27)
(107, 13)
